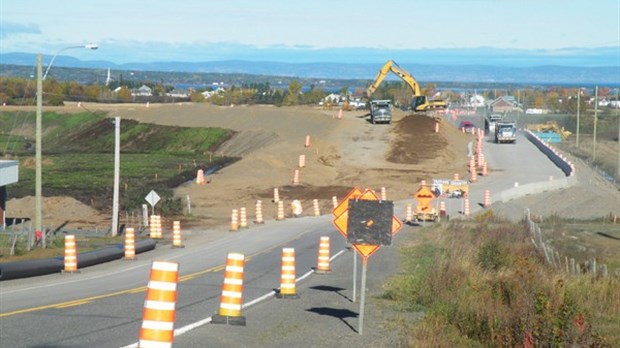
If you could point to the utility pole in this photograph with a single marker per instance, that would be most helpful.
(117, 161)
(37, 180)
(595, 122)
(578, 109)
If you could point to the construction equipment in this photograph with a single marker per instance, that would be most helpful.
(380, 111)
(544, 129)
(505, 132)
(420, 102)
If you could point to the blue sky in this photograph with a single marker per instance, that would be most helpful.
(301, 31)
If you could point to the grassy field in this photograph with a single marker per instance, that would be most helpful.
(482, 284)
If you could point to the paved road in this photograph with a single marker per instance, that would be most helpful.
(102, 305)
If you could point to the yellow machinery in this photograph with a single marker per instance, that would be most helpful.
(550, 126)
(420, 102)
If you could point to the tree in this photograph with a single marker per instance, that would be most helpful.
(124, 94)
(197, 97)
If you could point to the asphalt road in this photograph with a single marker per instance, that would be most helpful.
(102, 305)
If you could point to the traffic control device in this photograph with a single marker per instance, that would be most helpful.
(288, 276)
(436, 127)
(232, 292)
(296, 208)
(442, 209)
(307, 142)
(485, 171)
(259, 212)
(155, 227)
(334, 201)
(159, 311)
(280, 215)
(200, 177)
(276, 195)
(409, 213)
(487, 198)
(302, 161)
(296, 177)
(70, 261)
(176, 235)
(383, 194)
(130, 244)
(243, 218)
(315, 205)
(234, 220)
(466, 207)
(322, 264)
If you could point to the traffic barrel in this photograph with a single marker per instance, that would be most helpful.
(442, 208)
(383, 194)
(200, 177)
(280, 215)
(456, 176)
(473, 173)
(288, 277)
(243, 218)
(315, 205)
(176, 235)
(155, 227)
(322, 264)
(302, 161)
(234, 220)
(70, 261)
(259, 213)
(487, 198)
(409, 213)
(307, 142)
(436, 127)
(334, 201)
(159, 311)
(485, 171)
(466, 207)
(296, 177)
(232, 292)
(130, 244)
(276, 195)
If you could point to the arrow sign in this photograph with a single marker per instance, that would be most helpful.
(152, 198)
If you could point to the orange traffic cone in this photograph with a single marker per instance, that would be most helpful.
(71, 265)
(276, 195)
(334, 201)
(296, 177)
(280, 215)
(259, 213)
(322, 264)
(302, 161)
(487, 198)
(200, 177)
(409, 213)
(232, 291)
(234, 220)
(466, 207)
(159, 311)
(287, 278)
(130, 244)
(243, 218)
(315, 205)
(383, 194)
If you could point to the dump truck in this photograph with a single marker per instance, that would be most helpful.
(505, 132)
(381, 111)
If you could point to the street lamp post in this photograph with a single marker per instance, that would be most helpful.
(38, 147)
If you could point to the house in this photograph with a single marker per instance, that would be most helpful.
(504, 104)
(143, 91)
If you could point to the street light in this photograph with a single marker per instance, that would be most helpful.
(38, 130)
(90, 46)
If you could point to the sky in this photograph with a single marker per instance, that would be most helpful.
(310, 30)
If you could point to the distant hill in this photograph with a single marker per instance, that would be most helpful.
(357, 71)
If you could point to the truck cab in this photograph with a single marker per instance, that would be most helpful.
(380, 111)
(505, 132)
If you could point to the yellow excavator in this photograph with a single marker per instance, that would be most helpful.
(420, 102)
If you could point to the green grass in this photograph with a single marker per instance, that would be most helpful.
(481, 283)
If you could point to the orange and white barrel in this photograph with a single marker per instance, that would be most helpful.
(485, 171)
(155, 227)
(288, 276)
(473, 173)
(70, 261)
(259, 212)
(243, 218)
(487, 198)
(159, 312)
(315, 206)
(234, 220)
(307, 142)
(322, 263)
(456, 176)
(200, 177)
(232, 291)
(280, 215)
(442, 208)
(296, 177)
(383, 194)
(302, 161)
(130, 244)
(466, 207)
(276, 195)
(334, 201)
(409, 212)
(177, 240)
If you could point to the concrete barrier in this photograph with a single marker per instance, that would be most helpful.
(33, 268)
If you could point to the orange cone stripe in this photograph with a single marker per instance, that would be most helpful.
(159, 312)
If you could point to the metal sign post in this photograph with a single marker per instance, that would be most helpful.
(354, 276)
(363, 295)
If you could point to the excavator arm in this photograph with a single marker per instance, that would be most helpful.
(390, 65)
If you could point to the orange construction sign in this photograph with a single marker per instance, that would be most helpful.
(341, 220)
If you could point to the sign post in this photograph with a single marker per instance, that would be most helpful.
(367, 223)
(152, 198)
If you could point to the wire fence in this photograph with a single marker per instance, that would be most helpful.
(562, 262)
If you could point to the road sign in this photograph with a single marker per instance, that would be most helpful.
(152, 198)
(344, 204)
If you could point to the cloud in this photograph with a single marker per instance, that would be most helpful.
(11, 29)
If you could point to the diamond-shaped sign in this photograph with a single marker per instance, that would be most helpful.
(365, 250)
(344, 204)
(152, 198)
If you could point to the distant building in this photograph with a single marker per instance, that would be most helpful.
(536, 111)
(143, 91)
(504, 104)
